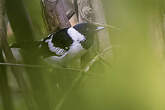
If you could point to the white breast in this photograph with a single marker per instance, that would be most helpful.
(76, 48)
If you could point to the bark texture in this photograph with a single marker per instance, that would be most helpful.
(85, 11)
(92, 11)
(55, 15)
(103, 36)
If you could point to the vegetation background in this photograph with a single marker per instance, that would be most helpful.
(131, 79)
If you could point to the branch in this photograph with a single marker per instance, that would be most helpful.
(90, 64)
(38, 66)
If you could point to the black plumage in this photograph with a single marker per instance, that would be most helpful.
(60, 39)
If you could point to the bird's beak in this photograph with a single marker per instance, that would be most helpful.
(99, 28)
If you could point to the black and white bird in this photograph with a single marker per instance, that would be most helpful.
(68, 43)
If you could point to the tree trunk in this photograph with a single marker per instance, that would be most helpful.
(92, 11)
(103, 36)
(55, 15)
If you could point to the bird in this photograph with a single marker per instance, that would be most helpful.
(68, 43)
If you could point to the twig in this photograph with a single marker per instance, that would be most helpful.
(86, 69)
(21, 65)
(45, 66)
(100, 24)
(37, 66)
(106, 25)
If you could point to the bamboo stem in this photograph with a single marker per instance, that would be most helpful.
(22, 28)
(4, 86)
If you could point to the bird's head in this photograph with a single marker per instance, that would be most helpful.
(88, 30)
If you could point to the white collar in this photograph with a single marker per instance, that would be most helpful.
(75, 35)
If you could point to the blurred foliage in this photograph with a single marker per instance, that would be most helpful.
(134, 80)
(35, 12)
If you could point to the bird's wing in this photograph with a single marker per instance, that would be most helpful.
(62, 40)
(56, 44)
